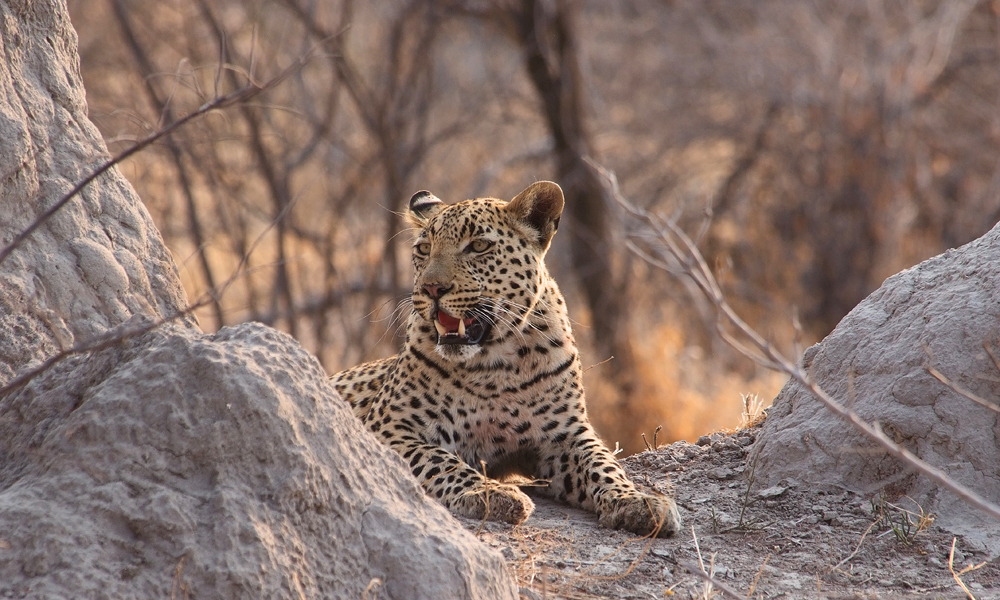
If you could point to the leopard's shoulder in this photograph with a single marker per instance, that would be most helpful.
(359, 385)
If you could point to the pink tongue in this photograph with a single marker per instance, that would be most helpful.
(450, 323)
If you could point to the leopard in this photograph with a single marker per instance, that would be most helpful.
(487, 391)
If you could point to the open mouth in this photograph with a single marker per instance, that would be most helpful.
(458, 331)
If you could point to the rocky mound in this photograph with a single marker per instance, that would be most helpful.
(942, 314)
(184, 465)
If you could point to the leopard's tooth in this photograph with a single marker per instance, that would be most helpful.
(461, 328)
(440, 327)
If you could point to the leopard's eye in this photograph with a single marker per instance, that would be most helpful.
(422, 249)
(478, 246)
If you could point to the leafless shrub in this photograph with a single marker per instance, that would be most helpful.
(669, 248)
(775, 131)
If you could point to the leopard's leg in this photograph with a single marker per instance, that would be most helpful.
(583, 472)
(462, 489)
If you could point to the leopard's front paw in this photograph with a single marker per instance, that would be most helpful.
(496, 502)
(643, 514)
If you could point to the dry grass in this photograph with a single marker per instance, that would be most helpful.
(371, 590)
(958, 575)
(905, 524)
(543, 555)
(753, 411)
(680, 388)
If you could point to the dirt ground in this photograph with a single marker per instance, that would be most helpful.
(779, 542)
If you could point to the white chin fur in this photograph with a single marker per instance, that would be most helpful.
(457, 353)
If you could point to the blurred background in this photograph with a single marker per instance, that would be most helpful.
(813, 148)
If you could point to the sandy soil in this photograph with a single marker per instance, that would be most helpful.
(779, 542)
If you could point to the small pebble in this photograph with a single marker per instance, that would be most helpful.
(772, 492)
(721, 473)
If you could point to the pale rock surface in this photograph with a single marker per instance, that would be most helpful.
(184, 465)
(99, 260)
(938, 313)
(173, 464)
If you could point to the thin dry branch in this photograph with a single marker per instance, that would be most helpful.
(857, 548)
(277, 185)
(249, 90)
(679, 249)
(699, 570)
(164, 109)
(125, 332)
(960, 390)
(958, 575)
(727, 591)
(100, 342)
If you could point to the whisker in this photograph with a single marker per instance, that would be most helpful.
(397, 320)
(546, 319)
(378, 309)
(500, 316)
(402, 231)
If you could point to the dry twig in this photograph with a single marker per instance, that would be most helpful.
(967, 569)
(756, 579)
(706, 575)
(125, 332)
(372, 588)
(960, 390)
(249, 90)
(856, 548)
(677, 254)
(178, 581)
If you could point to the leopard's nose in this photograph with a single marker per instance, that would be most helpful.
(436, 290)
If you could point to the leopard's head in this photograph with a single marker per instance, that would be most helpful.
(478, 265)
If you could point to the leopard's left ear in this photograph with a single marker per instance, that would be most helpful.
(540, 205)
(423, 206)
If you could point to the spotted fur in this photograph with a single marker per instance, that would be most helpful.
(511, 402)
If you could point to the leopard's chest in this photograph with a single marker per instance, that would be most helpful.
(481, 436)
(484, 417)
(521, 389)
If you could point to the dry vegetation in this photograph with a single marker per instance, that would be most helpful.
(812, 148)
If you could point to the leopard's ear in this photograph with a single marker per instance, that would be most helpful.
(540, 205)
(423, 206)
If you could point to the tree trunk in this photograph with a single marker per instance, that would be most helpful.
(547, 32)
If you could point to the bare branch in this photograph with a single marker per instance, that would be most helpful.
(277, 183)
(165, 111)
(124, 332)
(106, 340)
(724, 196)
(248, 91)
(679, 248)
(960, 390)
(727, 591)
